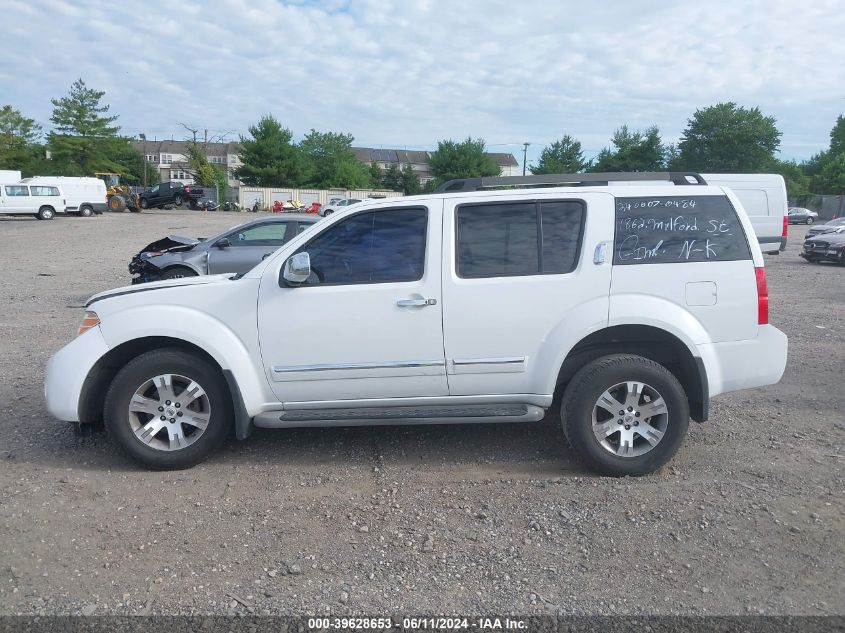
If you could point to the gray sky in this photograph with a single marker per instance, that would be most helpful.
(407, 73)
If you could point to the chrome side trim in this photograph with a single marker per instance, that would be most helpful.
(512, 360)
(283, 369)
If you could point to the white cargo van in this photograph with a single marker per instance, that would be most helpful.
(42, 201)
(83, 196)
(764, 199)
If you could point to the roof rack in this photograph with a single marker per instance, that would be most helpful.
(573, 180)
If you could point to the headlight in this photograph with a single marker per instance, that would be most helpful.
(88, 321)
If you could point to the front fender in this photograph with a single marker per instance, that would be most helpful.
(220, 341)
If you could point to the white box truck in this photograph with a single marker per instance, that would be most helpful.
(85, 196)
(9, 176)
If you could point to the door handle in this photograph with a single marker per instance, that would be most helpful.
(416, 303)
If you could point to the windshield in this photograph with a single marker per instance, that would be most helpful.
(111, 180)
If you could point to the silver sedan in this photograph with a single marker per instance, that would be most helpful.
(236, 250)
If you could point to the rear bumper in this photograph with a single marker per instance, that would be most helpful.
(66, 373)
(736, 365)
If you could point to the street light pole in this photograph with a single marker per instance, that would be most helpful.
(524, 156)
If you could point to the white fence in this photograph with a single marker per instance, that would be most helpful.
(266, 196)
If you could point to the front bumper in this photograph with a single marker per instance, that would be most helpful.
(143, 271)
(836, 255)
(67, 370)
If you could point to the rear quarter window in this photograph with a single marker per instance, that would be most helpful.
(678, 229)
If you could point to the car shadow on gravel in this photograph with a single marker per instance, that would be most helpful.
(528, 449)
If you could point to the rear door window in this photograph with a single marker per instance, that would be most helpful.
(17, 190)
(678, 229)
(518, 238)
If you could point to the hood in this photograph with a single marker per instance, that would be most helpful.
(171, 242)
(160, 285)
(829, 238)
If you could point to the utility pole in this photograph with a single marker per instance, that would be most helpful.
(524, 156)
(143, 137)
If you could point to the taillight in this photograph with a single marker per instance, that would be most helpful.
(785, 226)
(187, 190)
(762, 297)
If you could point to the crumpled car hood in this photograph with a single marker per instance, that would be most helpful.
(171, 242)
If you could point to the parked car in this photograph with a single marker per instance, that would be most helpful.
(340, 205)
(233, 251)
(798, 215)
(41, 201)
(84, 196)
(171, 192)
(827, 247)
(827, 227)
(631, 306)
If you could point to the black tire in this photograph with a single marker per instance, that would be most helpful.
(177, 200)
(328, 212)
(146, 367)
(177, 272)
(810, 220)
(85, 211)
(145, 204)
(582, 395)
(46, 213)
(117, 204)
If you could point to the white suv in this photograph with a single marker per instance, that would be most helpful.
(623, 309)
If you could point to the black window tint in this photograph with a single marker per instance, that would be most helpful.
(562, 222)
(497, 240)
(672, 229)
(522, 238)
(376, 247)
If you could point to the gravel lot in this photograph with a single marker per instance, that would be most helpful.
(476, 519)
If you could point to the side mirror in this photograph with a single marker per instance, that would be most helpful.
(297, 268)
(223, 242)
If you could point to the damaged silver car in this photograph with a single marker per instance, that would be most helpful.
(236, 250)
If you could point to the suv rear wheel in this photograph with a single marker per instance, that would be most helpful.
(177, 200)
(625, 415)
(145, 204)
(168, 409)
(45, 213)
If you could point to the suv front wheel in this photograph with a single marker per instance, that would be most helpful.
(625, 415)
(168, 409)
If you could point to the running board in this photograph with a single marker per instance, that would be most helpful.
(461, 414)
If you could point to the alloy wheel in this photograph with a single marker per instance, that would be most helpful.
(169, 412)
(630, 418)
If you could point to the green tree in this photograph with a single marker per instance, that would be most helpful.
(632, 151)
(837, 137)
(831, 179)
(205, 174)
(84, 139)
(392, 178)
(19, 136)
(376, 176)
(410, 182)
(564, 156)
(269, 156)
(330, 162)
(729, 138)
(467, 159)
(797, 181)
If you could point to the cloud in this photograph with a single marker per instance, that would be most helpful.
(410, 73)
